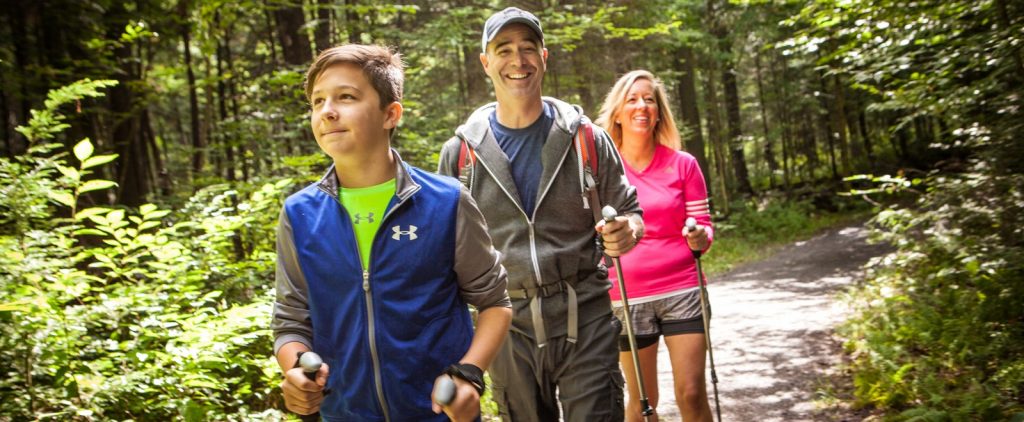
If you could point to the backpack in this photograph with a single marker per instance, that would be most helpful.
(586, 153)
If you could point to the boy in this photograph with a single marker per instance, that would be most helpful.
(377, 261)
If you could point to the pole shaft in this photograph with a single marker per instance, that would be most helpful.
(645, 406)
(707, 331)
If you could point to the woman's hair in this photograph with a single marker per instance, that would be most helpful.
(665, 131)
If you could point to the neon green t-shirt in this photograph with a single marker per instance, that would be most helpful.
(366, 207)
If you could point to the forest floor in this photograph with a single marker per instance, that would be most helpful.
(776, 353)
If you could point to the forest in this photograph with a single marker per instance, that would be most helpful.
(148, 146)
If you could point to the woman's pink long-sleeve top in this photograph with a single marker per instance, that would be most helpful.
(670, 189)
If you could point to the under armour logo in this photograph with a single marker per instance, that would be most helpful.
(359, 218)
(399, 232)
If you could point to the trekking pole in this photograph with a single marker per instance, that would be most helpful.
(310, 363)
(691, 224)
(609, 215)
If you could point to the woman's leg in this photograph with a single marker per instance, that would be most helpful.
(649, 368)
(687, 353)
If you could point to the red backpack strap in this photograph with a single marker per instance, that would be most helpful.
(467, 159)
(591, 146)
(587, 150)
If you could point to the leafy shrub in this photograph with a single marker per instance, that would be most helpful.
(146, 314)
(939, 327)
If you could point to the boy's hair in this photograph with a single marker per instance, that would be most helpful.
(665, 132)
(381, 66)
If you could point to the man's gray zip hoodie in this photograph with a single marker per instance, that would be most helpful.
(557, 243)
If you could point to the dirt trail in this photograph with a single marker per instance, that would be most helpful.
(773, 331)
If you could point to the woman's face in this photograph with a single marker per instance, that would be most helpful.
(639, 112)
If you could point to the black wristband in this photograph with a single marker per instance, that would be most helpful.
(469, 372)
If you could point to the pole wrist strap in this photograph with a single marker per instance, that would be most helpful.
(470, 373)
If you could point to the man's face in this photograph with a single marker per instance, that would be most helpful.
(346, 115)
(515, 62)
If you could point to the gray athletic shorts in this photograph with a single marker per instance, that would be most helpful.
(669, 316)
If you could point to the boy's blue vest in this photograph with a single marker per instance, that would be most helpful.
(389, 331)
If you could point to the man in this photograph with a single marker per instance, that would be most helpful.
(377, 261)
(527, 181)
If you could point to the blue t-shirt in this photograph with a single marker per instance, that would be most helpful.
(523, 148)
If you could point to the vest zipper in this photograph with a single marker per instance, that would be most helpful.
(373, 344)
(371, 326)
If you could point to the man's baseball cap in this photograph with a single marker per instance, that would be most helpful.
(509, 15)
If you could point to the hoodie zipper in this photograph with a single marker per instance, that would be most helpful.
(530, 219)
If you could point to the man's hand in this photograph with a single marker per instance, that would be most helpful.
(697, 238)
(301, 394)
(618, 236)
(465, 406)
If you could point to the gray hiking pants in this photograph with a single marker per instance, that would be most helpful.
(586, 375)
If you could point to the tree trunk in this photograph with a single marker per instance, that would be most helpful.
(830, 126)
(841, 124)
(198, 149)
(271, 30)
(477, 92)
(686, 90)
(226, 138)
(1002, 11)
(714, 120)
(732, 100)
(291, 34)
(581, 67)
(233, 97)
(769, 155)
(322, 33)
(133, 166)
(810, 146)
(866, 138)
(25, 57)
(732, 107)
(214, 153)
(352, 22)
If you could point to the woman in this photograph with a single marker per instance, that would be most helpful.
(661, 274)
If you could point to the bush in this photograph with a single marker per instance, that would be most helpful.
(131, 313)
(938, 332)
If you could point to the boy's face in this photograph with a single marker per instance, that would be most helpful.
(515, 62)
(346, 116)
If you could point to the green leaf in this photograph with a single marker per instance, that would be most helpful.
(83, 150)
(98, 184)
(148, 225)
(115, 216)
(93, 232)
(70, 172)
(62, 197)
(156, 215)
(98, 160)
(21, 305)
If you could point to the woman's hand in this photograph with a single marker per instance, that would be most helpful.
(697, 238)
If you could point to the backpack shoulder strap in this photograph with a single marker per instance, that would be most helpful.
(586, 150)
(589, 146)
(467, 160)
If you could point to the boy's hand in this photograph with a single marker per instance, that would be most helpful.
(617, 235)
(465, 406)
(301, 394)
